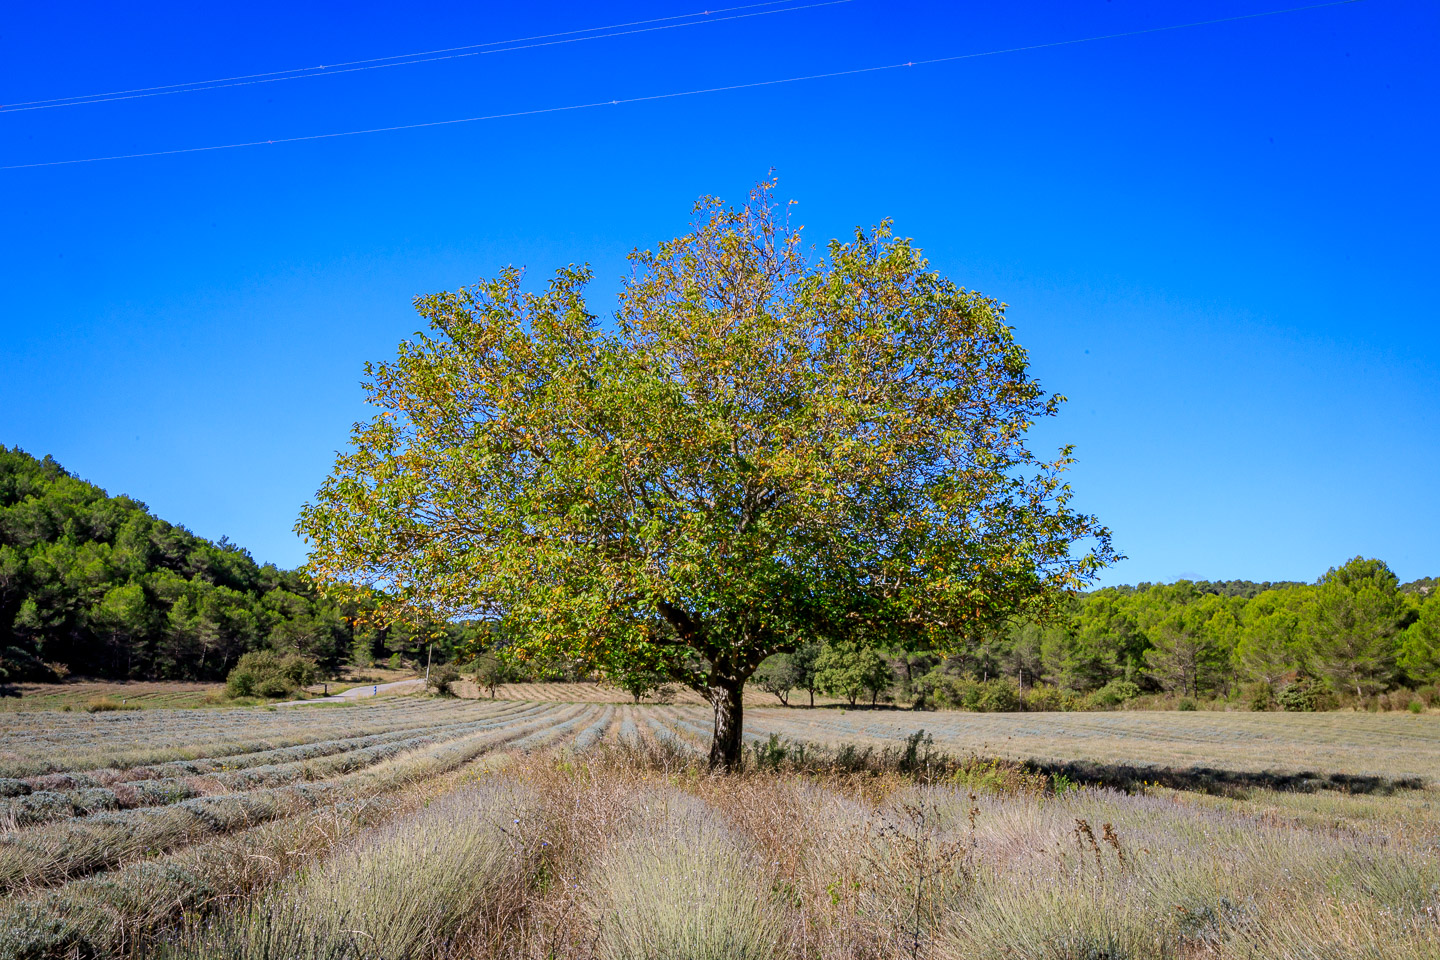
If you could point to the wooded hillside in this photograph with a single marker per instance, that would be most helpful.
(97, 585)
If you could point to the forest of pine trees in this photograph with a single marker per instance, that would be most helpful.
(96, 585)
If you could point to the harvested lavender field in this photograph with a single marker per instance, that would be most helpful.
(434, 828)
(1385, 746)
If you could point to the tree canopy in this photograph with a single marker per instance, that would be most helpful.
(761, 450)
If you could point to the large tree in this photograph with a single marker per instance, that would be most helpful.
(762, 449)
(1356, 611)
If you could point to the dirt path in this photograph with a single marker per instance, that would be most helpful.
(365, 690)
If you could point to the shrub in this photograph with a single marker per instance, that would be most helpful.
(268, 674)
(441, 678)
(1113, 694)
(405, 891)
(1399, 699)
(639, 682)
(1300, 696)
(1186, 703)
(105, 704)
(1259, 695)
(1429, 694)
(491, 671)
(1044, 697)
(274, 687)
(680, 883)
(998, 696)
(1416, 706)
(938, 690)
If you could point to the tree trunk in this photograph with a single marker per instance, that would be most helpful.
(725, 745)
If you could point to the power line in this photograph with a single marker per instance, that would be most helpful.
(697, 92)
(428, 56)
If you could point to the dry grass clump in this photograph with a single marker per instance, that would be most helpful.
(1099, 874)
(109, 704)
(678, 883)
(415, 888)
(866, 864)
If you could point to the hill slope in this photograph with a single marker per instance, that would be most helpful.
(98, 585)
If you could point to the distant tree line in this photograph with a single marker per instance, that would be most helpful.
(96, 585)
(1354, 633)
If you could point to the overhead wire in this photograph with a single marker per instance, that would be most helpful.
(428, 56)
(699, 91)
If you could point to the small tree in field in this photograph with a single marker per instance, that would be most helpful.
(640, 683)
(850, 669)
(802, 661)
(761, 450)
(442, 679)
(778, 675)
(490, 671)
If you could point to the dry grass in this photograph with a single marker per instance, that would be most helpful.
(418, 887)
(125, 911)
(874, 866)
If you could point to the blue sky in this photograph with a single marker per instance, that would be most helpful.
(1218, 242)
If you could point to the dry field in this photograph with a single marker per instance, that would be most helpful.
(1389, 745)
(167, 694)
(423, 828)
(77, 694)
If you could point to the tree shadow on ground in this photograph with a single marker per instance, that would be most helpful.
(1213, 780)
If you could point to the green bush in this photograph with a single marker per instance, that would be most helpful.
(937, 690)
(1259, 696)
(1416, 706)
(1301, 696)
(274, 687)
(265, 673)
(1186, 703)
(1044, 697)
(1113, 694)
(998, 696)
